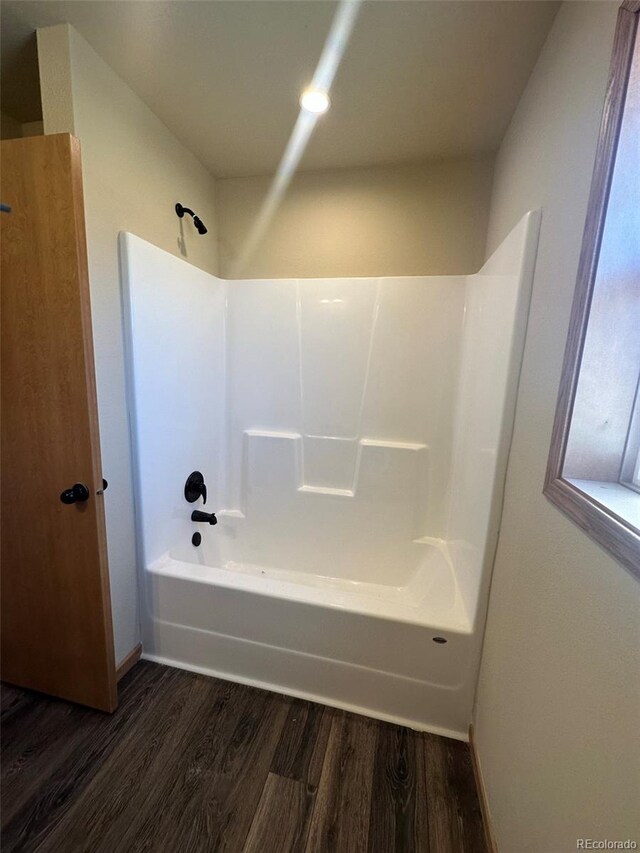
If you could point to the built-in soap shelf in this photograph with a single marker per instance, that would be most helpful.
(329, 465)
(326, 490)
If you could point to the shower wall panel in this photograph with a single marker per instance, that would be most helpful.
(350, 384)
(175, 342)
(496, 309)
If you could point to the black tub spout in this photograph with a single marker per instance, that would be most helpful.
(209, 517)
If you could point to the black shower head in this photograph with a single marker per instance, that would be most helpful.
(200, 226)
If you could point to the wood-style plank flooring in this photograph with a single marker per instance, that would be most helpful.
(189, 763)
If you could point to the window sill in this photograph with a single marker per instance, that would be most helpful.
(584, 502)
(618, 499)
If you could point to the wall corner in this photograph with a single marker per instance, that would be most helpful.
(56, 87)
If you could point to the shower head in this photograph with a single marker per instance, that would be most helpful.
(199, 224)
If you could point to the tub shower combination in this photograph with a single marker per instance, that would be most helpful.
(352, 437)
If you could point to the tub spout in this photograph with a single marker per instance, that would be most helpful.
(209, 517)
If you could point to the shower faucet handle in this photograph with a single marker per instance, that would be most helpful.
(195, 487)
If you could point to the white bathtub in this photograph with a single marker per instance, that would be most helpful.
(369, 647)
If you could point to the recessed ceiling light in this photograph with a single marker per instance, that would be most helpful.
(315, 101)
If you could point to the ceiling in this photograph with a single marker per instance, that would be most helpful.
(419, 80)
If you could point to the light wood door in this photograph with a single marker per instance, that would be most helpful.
(57, 635)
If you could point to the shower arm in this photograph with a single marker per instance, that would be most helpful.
(181, 210)
(199, 224)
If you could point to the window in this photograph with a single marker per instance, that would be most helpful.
(593, 473)
(630, 470)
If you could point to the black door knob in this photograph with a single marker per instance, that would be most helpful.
(76, 494)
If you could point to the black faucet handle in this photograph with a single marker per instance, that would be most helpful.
(195, 487)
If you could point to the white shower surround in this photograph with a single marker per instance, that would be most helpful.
(353, 434)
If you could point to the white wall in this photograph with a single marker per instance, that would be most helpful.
(134, 171)
(425, 219)
(558, 702)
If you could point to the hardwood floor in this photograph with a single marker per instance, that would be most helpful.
(189, 763)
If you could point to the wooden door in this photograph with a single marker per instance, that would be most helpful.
(57, 635)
